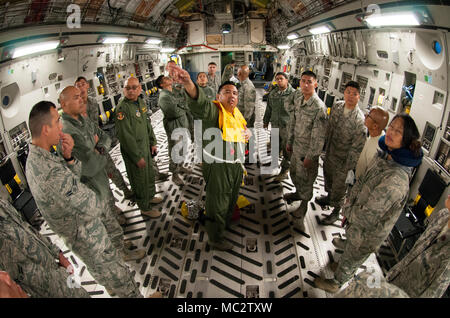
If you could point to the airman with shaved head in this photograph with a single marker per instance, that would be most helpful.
(375, 121)
(137, 144)
(90, 143)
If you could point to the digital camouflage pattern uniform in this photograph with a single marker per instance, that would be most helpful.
(247, 101)
(362, 286)
(214, 83)
(175, 116)
(30, 259)
(228, 72)
(136, 137)
(374, 204)
(346, 135)
(92, 109)
(93, 172)
(425, 270)
(74, 213)
(111, 169)
(223, 179)
(277, 114)
(306, 135)
(209, 92)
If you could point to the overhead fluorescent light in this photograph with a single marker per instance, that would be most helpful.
(283, 47)
(167, 50)
(320, 30)
(115, 40)
(35, 48)
(292, 36)
(393, 19)
(153, 41)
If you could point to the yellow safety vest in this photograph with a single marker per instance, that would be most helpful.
(231, 124)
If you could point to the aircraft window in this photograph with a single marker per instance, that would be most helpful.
(437, 48)
(5, 101)
(346, 77)
(382, 54)
(438, 98)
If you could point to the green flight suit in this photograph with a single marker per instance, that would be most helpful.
(111, 169)
(223, 179)
(175, 116)
(209, 92)
(136, 137)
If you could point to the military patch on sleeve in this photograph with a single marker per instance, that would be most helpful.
(120, 115)
(74, 188)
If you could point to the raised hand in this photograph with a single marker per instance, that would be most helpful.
(67, 144)
(178, 74)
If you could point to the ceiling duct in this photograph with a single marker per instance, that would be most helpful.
(239, 13)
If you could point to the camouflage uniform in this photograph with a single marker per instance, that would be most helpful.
(175, 116)
(136, 138)
(306, 135)
(360, 287)
(92, 109)
(277, 114)
(214, 83)
(228, 72)
(346, 135)
(74, 213)
(246, 102)
(93, 172)
(209, 92)
(425, 270)
(30, 259)
(223, 179)
(373, 207)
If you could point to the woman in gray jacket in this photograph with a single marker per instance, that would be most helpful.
(377, 198)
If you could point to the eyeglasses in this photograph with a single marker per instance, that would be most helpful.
(128, 88)
(368, 115)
